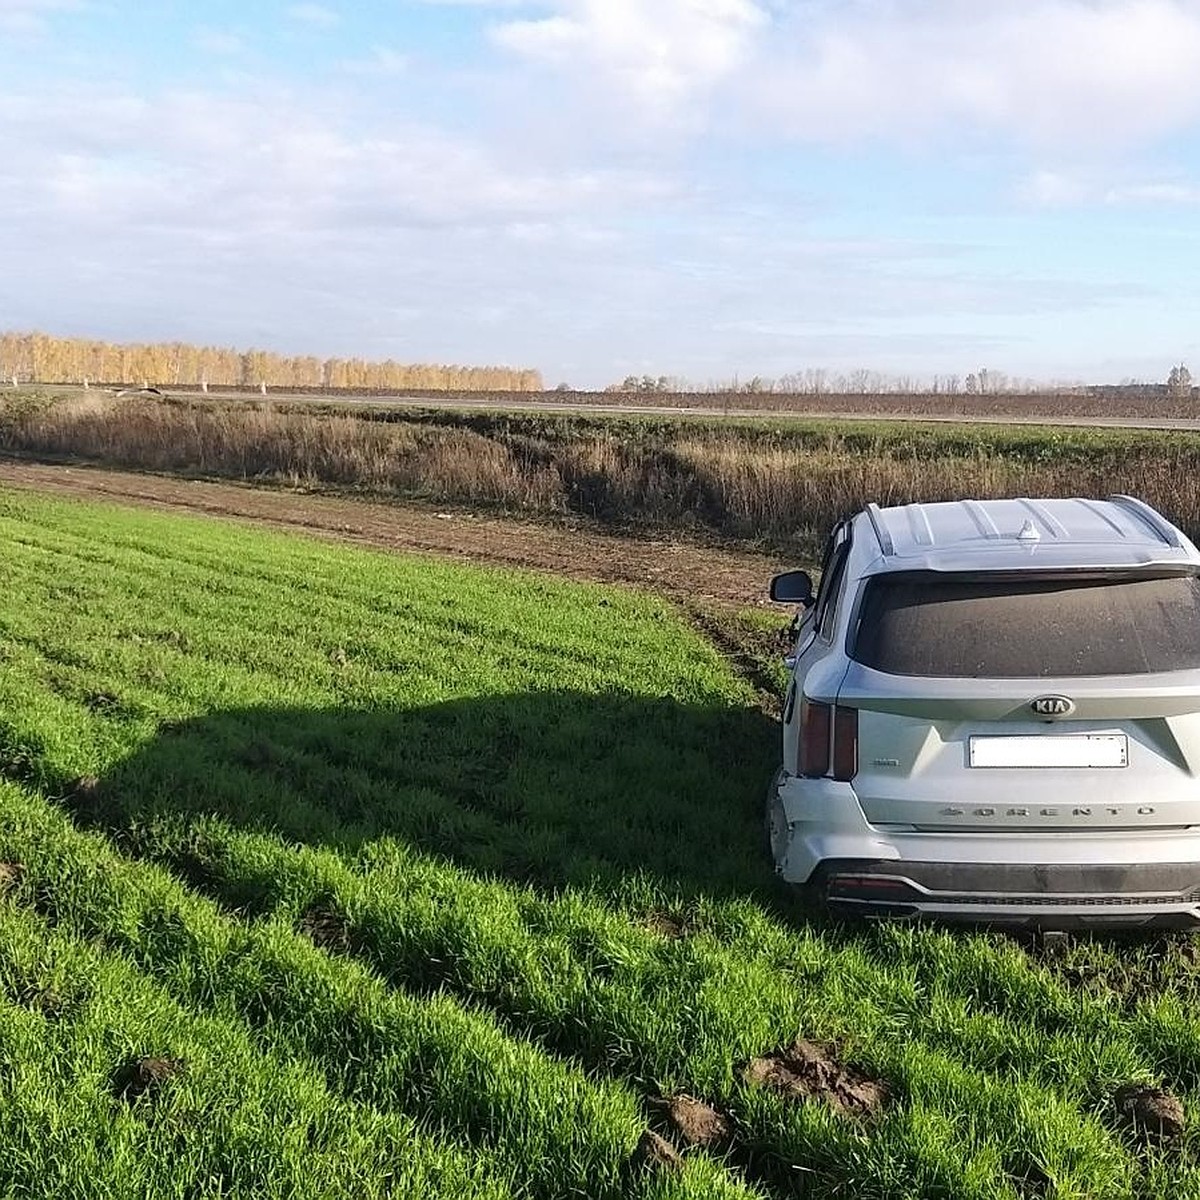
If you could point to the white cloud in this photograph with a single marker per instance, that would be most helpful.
(1091, 188)
(1054, 189)
(559, 228)
(260, 218)
(656, 53)
(267, 218)
(1042, 72)
(1154, 194)
(313, 14)
(1098, 72)
(260, 165)
(218, 41)
(382, 60)
(31, 17)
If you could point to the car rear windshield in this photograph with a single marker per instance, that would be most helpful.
(948, 626)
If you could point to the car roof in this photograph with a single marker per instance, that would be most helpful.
(1027, 534)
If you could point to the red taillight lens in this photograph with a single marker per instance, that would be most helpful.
(823, 727)
(815, 727)
(845, 743)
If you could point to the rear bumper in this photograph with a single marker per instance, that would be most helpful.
(1048, 895)
(1048, 880)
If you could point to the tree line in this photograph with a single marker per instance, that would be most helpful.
(42, 358)
(986, 381)
(820, 382)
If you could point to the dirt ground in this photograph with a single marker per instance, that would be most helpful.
(687, 572)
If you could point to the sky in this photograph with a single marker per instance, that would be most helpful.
(707, 189)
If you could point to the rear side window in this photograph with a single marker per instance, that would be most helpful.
(948, 626)
(831, 586)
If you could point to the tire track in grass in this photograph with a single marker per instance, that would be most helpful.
(212, 1114)
(743, 653)
(545, 1124)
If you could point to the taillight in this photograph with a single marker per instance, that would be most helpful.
(828, 737)
(845, 743)
(815, 724)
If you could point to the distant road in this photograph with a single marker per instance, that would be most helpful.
(616, 409)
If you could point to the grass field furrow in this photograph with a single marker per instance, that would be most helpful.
(554, 1131)
(485, 849)
(364, 622)
(222, 1117)
(903, 1155)
(592, 983)
(316, 579)
(720, 1020)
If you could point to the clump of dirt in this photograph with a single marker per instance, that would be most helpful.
(666, 924)
(326, 928)
(100, 702)
(654, 1151)
(697, 1123)
(1150, 1111)
(11, 874)
(138, 1077)
(811, 1070)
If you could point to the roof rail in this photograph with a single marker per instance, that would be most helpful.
(881, 531)
(1158, 524)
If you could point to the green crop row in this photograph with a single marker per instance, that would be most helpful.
(228, 1117)
(544, 1124)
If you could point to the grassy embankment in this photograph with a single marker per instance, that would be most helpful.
(332, 873)
(781, 483)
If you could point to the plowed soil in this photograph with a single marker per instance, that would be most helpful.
(685, 571)
(809, 1070)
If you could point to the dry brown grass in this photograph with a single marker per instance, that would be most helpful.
(782, 485)
(773, 487)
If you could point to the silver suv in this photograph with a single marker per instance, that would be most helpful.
(994, 716)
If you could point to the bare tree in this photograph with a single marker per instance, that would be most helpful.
(1179, 381)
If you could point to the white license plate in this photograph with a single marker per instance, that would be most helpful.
(1047, 750)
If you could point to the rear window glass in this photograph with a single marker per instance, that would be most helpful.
(936, 625)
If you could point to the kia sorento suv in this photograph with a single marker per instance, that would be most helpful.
(994, 716)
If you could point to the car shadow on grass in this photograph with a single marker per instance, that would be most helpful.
(547, 788)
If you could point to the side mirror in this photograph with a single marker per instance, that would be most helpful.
(792, 587)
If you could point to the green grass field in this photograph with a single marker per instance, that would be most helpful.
(329, 873)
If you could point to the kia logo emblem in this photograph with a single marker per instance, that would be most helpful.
(1052, 706)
